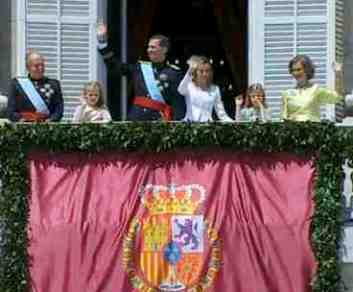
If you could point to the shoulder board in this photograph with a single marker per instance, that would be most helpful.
(173, 66)
(144, 62)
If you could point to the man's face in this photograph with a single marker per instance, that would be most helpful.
(36, 67)
(156, 53)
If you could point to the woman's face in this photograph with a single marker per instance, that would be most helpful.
(256, 98)
(204, 74)
(298, 72)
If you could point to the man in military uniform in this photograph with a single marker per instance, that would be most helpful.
(35, 98)
(155, 82)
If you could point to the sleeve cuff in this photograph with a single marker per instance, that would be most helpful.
(102, 46)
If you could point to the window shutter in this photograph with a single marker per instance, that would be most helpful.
(64, 32)
(281, 29)
(339, 46)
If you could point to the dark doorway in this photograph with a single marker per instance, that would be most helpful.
(215, 28)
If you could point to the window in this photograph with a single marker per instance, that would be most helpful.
(281, 29)
(63, 31)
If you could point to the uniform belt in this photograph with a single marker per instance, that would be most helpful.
(165, 110)
(33, 116)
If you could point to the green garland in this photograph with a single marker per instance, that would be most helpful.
(331, 145)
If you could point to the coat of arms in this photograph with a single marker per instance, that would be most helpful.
(171, 247)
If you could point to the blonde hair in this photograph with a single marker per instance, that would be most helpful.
(201, 60)
(97, 87)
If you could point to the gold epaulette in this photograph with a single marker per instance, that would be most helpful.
(173, 66)
(144, 62)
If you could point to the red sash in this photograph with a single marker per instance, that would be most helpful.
(165, 110)
(33, 116)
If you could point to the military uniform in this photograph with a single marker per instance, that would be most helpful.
(49, 90)
(168, 78)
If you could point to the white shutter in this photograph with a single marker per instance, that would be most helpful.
(339, 46)
(281, 29)
(64, 32)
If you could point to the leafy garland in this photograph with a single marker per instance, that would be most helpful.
(330, 144)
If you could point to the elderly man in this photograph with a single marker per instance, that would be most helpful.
(35, 98)
(155, 82)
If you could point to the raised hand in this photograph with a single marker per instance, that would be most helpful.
(238, 99)
(102, 30)
(337, 66)
(193, 61)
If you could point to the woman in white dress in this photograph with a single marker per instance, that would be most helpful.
(93, 109)
(201, 95)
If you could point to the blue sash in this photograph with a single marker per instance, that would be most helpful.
(151, 82)
(33, 95)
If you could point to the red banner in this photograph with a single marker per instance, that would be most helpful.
(205, 221)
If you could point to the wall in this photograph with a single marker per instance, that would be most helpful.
(5, 45)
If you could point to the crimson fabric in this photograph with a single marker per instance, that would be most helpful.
(81, 206)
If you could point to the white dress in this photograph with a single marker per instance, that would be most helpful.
(200, 103)
(86, 114)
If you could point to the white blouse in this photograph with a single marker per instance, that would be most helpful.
(200, 103)
(86, 114)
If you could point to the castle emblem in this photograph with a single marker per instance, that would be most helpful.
(168, 247)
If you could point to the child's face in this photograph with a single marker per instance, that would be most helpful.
(256, 97)
(92, 97)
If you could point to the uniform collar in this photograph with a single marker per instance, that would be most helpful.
(41, 80)
(159, 66)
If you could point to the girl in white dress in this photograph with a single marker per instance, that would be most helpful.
(201, 95)
(92, 110)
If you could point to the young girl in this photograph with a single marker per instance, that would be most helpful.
(253, 107)
(201, 95)
(93, 108)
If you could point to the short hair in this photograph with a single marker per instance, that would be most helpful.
(96, 86)
(253, 88)
(163, 40)
(31, 53)
(308, 65)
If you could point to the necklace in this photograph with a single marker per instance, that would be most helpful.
(304, 85)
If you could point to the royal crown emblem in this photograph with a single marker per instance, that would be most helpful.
(172, 200)
(166, 247)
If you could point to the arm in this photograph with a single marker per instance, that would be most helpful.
(58, 105)
(13, 114)
(106, 116)
(110, 59)
(267, 114)
(219, 108)
(77, 114)
(284, 107)
(184, 84)
(238, 101)
(333, 96)
(262, 113)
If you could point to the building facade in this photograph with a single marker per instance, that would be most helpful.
(64, 32)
